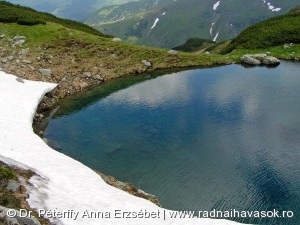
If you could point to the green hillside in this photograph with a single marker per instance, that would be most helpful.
(271, 32)
(11, 13)
(194, 45)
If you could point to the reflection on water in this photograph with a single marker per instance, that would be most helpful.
(219, 138)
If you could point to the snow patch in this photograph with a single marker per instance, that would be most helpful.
(164, 13)
(154, 24)
(63, 183)
(216, 5)
(272, 8)
(215, 38)
(211, 29)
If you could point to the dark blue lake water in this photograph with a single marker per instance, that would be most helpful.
(217, 138)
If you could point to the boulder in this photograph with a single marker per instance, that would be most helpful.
(250, 60)
(172, 52)
(9, 58)
(258, 59)
(146, 63)
(98, 77)
(271, 61)
(18, 38)
(87, 74)
(259, 56)
(26, 61)
(45, 72)
(31, 67)
(19, 79)
(116, 39)
(23, 52)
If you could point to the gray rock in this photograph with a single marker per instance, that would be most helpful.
(172, 52)
(48, 56)
(18, 38)
(9, 58)
(26, 61)
(1, 69)
(250, 60)
(87, 74)
(271, 61)
(19, 79)
(23, 52)
(12, 221)
(286, 46)
(116, 39)
(45, 72)
(146, 63)
(4, 60)
(14, 185)
(2, 35)
(31, 67)
(206, 52)
(98, 77)
(259, 56)
(19, 43)
(18, 61)
(63, 79)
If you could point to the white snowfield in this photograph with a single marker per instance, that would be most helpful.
(64, 184)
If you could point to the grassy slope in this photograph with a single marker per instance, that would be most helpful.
(271, 32)
(11, 13)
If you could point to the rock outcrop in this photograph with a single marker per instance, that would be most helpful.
(129, 188)
(260, 59)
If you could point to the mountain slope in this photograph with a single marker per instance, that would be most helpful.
(169, 23)
(11, 13)
(272, 32)
(71, 9)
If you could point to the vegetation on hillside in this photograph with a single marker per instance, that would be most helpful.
(11, 13)
(271, 32)
(194, 44)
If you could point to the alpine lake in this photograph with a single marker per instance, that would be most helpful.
(218, 138)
